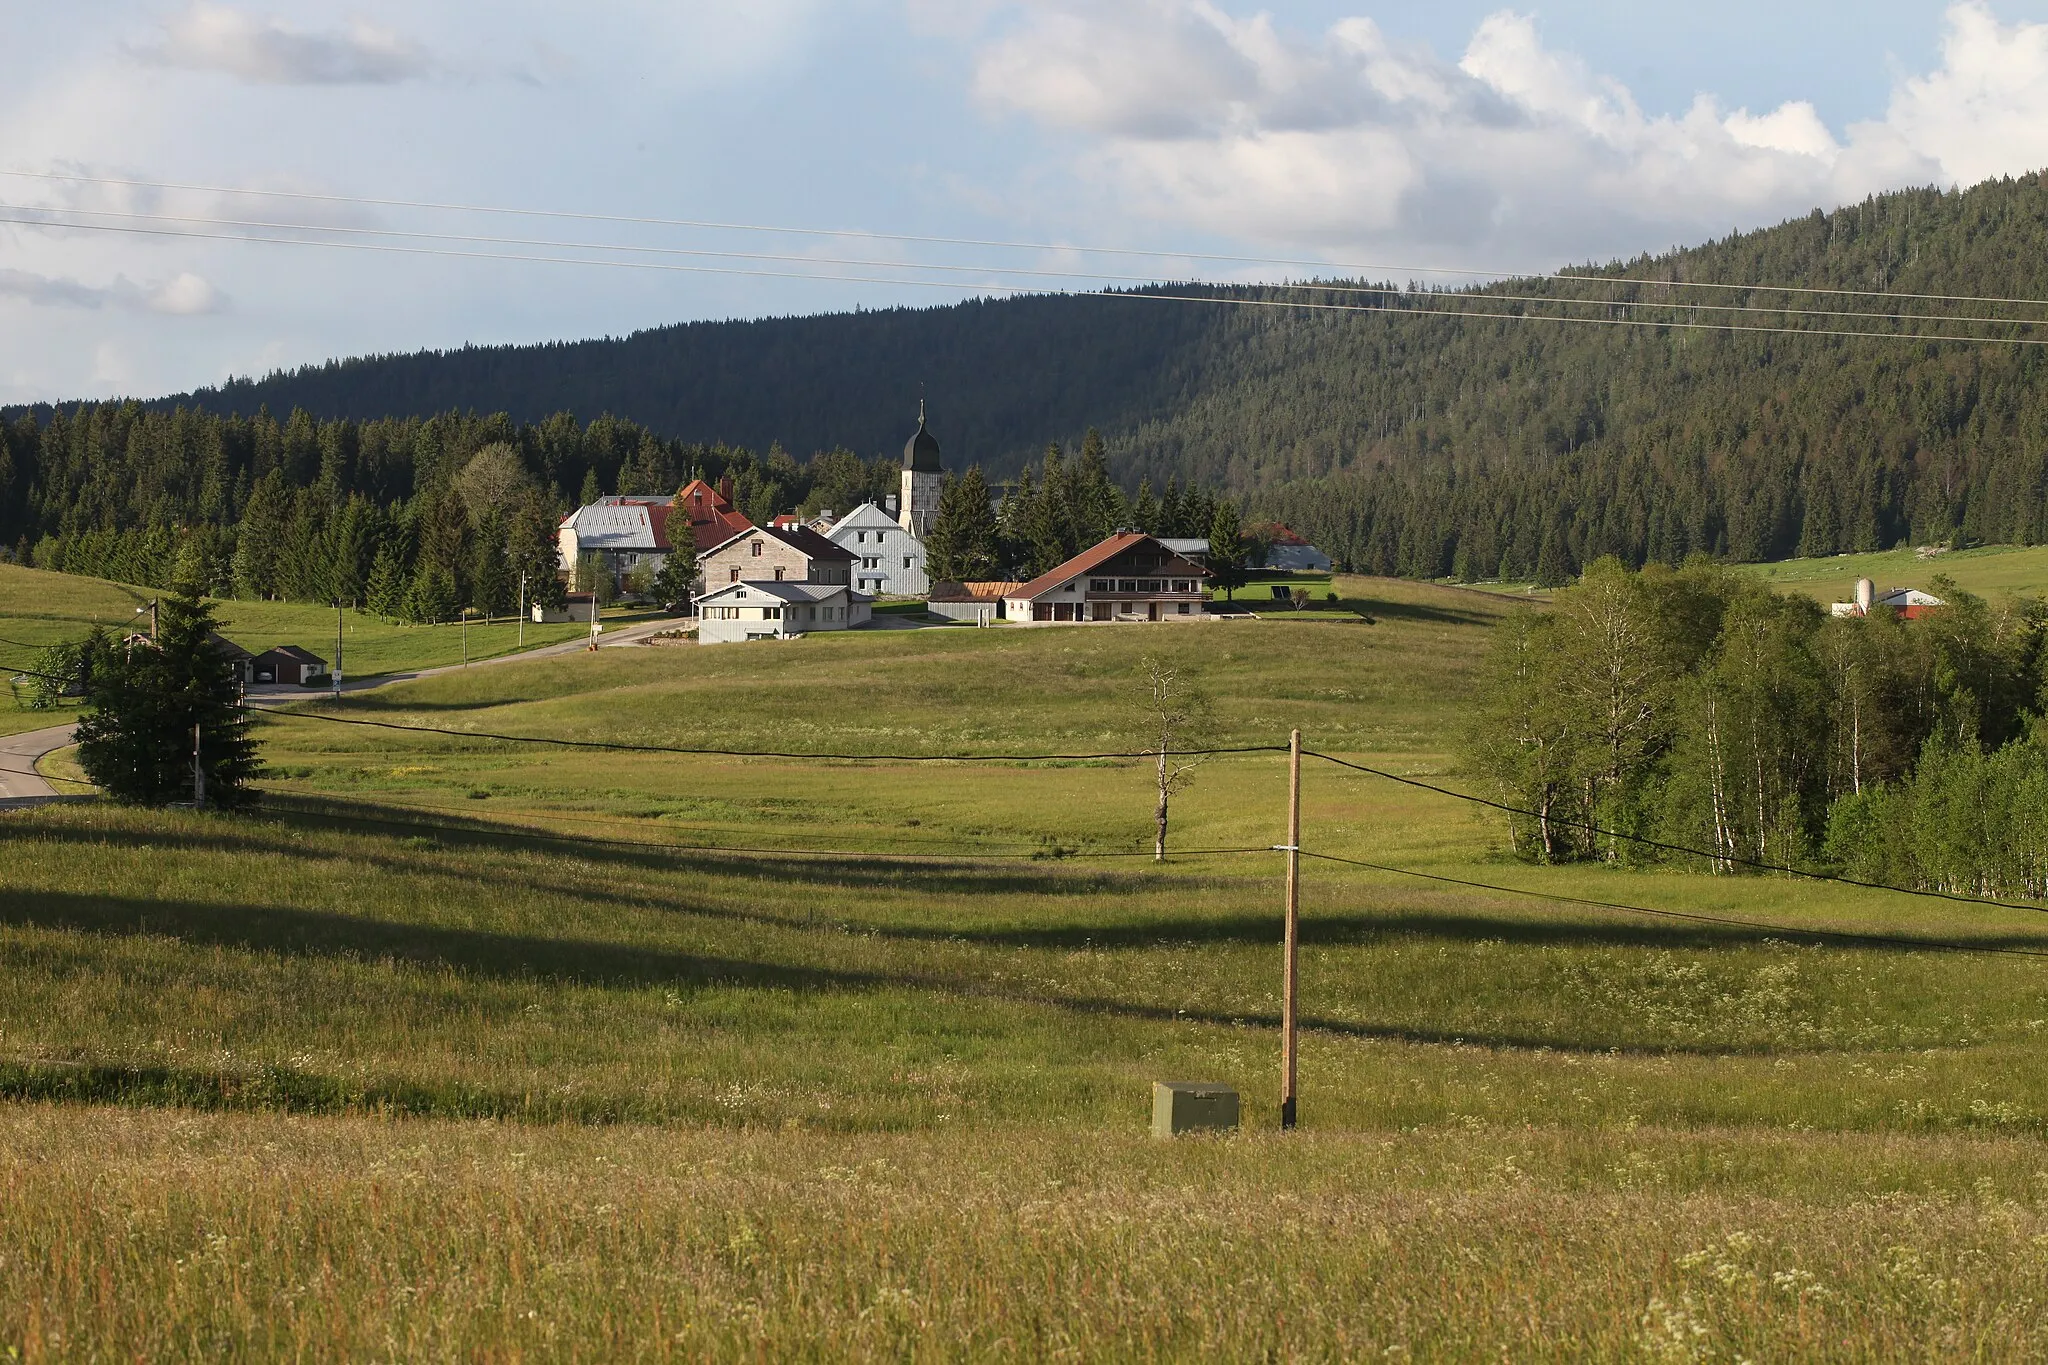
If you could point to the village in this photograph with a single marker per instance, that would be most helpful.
(796, 576)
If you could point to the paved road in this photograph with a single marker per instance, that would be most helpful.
(20, 785)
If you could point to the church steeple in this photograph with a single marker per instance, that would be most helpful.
(921, 452)
(924, 478)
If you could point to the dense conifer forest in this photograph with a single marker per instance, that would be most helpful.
(1425, 446)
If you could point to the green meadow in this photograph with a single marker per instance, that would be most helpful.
(38, 609)
(468, 1047)
(1991, 571)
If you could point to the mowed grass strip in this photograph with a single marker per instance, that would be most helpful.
(166, 1236)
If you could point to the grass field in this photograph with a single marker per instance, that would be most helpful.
(39, 609)
(1994, 571)
(467, 1048)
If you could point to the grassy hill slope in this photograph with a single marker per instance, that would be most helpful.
(493, 1055)
(38, 609)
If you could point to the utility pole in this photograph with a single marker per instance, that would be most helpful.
(337, 649)
(522, 611)
(1289, 977)
(593, 618)
(198, 772)
(465, 637)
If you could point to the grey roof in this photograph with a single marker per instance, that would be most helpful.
(921, 452)
(1186, 545)
(782, 590)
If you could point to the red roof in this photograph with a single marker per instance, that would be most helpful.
(712, 518)
(1102, 554)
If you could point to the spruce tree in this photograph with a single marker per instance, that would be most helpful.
(1226, 550)
(676, 583)
(138, 741)
(962, 546)
(494, 586)
(385, 593)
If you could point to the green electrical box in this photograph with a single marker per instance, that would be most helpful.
(1191, 1106)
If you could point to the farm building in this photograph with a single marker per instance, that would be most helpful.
(777, 610)
(981, 603)
(1129, 577)
(1288, 552)
(577, 606)
(286, 664)
(1909, 603)
(888, 560)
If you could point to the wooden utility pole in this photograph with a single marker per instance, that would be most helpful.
(522, 611)
(198, 772)
(337, 649)
(1289, 978)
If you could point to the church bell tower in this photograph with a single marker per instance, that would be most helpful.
(924, 475)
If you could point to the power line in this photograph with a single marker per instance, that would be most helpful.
(1466, 272)
(1688, 851)
(1479, 295)
(1143, 295)
(622, 747)
(1840, 934)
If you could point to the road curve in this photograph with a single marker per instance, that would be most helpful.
(20, 784)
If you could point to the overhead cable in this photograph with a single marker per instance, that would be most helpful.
(1419, 301)
(1464, 272)
(1644, 842)
(985, 287)
(622, 747)
(1891, 940)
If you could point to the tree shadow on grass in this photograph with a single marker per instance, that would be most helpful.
(586, 962)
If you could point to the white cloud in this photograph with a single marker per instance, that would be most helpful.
(1345, 140)
(270, 52)
(183, 295)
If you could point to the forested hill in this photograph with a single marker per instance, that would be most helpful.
(1421, 445)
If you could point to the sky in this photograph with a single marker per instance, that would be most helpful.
(1334, 135)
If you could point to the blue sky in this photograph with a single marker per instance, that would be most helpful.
(1451, 135)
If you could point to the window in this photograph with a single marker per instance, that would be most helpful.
(1127, 585)
(1148, 585)
(735, 574)
(1186, 608)
(757, 549)
(771, 613)
(1101, 585)
(778, 573)
(906, 562)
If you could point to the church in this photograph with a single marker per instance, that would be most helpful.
(888, 546)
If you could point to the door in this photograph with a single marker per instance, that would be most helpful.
(1152, 611)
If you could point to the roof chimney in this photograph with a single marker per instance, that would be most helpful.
(892, 504)
(725, 487)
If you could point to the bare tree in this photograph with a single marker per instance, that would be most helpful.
(1176, 712)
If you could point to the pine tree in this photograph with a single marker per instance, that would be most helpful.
(536, 555)
(385, 594)
(493, 584)
(676, 583)
(1226, 550)
(962, 547)
(1020, 506)
(592, 491)
(1145, 509)
(432, 597)
(137, 741)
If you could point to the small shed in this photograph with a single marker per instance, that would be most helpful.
(286, 664)
(579, 608)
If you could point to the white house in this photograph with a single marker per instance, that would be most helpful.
(770, 610)
(888, 561)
